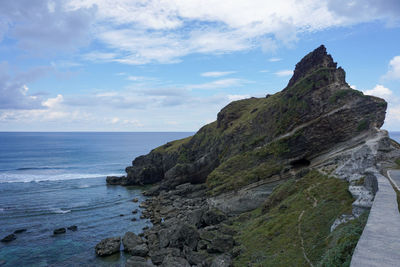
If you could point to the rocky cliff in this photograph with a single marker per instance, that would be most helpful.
(262, 138)
(257, 188)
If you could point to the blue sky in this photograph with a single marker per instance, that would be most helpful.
(171, 65)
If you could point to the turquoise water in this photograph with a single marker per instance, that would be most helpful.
(53, 180)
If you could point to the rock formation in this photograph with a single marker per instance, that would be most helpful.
(316, 111)
(223, 193)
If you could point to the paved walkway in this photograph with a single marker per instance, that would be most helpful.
(379, 244)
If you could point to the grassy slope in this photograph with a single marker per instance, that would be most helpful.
(269, 236)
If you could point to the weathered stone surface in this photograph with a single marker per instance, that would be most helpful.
(9, 238)
(171, 261)
(179, 235)
(157, 257)
(220, 244)
(134, 244)
(59, 231)
(223, 260)
(136, 261)
(108, 246)
(213, 216)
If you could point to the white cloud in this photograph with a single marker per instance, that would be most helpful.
(53, 102)
(394, 69)
(237, 97)
(215, 74)
(379, 91)
(140, 32)
(115, 120)
(222, 83)
(284, 73)
(274, 59)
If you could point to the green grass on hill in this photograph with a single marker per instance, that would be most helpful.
(297, 215)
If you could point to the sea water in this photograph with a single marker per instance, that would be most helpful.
(55, 180)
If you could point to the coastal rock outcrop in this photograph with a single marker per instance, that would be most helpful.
(265, 138)
(262, 174)
(108, 246)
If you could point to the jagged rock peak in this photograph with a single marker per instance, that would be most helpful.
(314, 60)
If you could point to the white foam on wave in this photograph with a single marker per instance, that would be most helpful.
(27, 178)
(59, 211)
(1, 210)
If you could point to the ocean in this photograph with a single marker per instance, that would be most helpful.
(55, 180)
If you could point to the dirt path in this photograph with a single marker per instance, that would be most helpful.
(302, 241)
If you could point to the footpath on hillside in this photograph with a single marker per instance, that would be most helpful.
(379, 244)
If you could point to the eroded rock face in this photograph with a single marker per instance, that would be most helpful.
(317, 110)
(108, 246)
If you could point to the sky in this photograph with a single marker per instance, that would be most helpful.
(171, 65)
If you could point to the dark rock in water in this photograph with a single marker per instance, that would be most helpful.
(133, 219)
(134, 245)
(19, 231)
(115, 180)
(134, 211)
(9, 238)
(108, 246)
(223, 260)
(135, 200)
(73, 228)
(136, 261)
(59, 231)
(171, 261)
(121, 215)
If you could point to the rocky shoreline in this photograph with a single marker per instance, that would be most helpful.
(186, 232)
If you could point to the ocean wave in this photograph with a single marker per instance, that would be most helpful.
(1, 210)
(59, 211)
(27, 178)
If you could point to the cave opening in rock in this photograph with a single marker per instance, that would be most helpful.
(300, 163)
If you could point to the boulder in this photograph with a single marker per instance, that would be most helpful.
(157, 257)
(9, 238)
(178, 235)
(19, 231)
(108, 246)
(223, 260)
(221, 244)
(171, 261)
(136, 261)
(59, 231)
(134, 245)
(213, 216)
(73, 228)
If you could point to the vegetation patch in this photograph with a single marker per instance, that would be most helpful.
(341, 94)
(297, 218)
(362, 125)
(397, 161)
